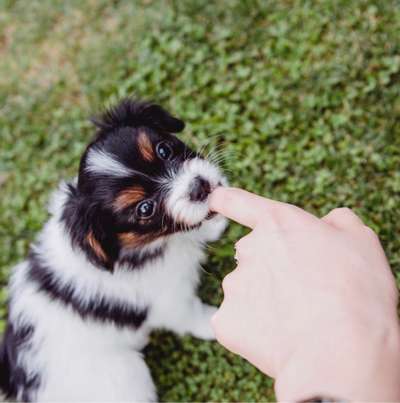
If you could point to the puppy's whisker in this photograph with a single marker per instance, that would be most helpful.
(214, 141)
(216, 156)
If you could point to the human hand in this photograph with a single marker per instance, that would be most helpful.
(312, 301)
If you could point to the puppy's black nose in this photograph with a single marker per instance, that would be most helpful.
(200, 188)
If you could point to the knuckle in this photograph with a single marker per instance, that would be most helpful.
(293, 212)
(270, 218)
(346, 213)
(277, 218)
(342, 211)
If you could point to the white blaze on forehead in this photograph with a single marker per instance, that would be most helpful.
(101, 162)
(178, 203)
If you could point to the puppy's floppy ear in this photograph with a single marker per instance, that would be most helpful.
(91, 229)
(132, 113)
(159, 118)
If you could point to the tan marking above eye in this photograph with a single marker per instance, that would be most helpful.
(128, 197)
(145, 146)
(94, 244)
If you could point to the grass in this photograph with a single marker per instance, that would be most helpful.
(302, 95)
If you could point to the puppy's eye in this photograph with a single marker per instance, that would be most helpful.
(145, 209)
(164, 151)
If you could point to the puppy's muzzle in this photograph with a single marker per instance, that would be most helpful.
(187, 199)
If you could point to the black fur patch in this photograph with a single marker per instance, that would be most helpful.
(136, 260)
(98, 308)
(14, 379)
(132, 113)
(81, 216)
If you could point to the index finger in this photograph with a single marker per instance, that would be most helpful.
(244, 207)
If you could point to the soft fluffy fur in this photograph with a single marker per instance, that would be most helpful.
(106, 270)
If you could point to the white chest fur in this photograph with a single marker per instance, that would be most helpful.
(80, 359)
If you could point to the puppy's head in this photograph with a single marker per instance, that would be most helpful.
(137, 184)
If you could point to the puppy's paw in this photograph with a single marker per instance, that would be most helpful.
(212, 229)
(202, 325)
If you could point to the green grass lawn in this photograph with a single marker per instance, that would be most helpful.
(301, 96)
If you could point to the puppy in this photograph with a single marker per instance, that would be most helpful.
(119, 256)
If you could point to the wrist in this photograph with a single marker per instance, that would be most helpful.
(353, 365)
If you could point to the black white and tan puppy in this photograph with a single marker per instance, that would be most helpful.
(119, 256)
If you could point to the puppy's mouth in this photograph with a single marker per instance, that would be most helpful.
(187, 200)
(211, 215)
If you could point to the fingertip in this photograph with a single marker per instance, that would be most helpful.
(236, 204)
(217, 198)
(213, 200)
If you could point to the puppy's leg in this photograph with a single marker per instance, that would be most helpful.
(186, 315)
(198, 321)
(212, 229)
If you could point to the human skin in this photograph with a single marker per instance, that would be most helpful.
(312, 302)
